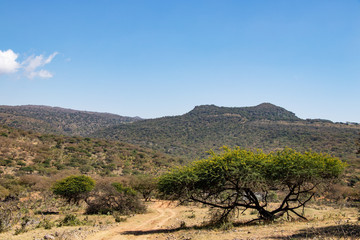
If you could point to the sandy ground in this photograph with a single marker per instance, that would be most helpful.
(161, 214)
(164, 218)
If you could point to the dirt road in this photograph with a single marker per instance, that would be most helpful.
(141, 226)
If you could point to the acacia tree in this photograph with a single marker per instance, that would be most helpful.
(110, 197)
(145, 185)
(241, 179)
(74, 188)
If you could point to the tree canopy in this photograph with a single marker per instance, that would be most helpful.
(242, 179)
(74, 188)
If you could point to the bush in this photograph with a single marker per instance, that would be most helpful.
(9, 216)
(36, 182)
(113, 197)
(46, 224)
(70, 220)
(27, 169)
(4, 192)
(74, 188)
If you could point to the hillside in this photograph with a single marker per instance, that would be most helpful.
(23, 152)
(57, 120)
(265, 126)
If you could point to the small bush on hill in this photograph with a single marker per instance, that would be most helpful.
(74, 188)
(70, 220)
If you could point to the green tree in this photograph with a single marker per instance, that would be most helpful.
(74, 188)
(145, 185)
(242, 179)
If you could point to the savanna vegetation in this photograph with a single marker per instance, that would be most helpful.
(266, 126)
(239, 180)
(43, 182)
(48, 180)
(24, 152)
(30, 201)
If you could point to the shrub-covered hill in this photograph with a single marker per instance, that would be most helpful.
(265, 126)
(23, 152)
(57, 120)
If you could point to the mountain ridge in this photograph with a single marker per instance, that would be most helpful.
(190, 135)
(266, 111)
(57, 120)
(264, 126)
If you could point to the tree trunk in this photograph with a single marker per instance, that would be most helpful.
(266, 215)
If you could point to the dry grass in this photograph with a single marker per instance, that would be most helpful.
(167, 221)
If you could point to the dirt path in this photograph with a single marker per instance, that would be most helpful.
(137, 227)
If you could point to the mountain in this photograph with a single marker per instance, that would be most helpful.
(264, 111)
(57, 120)
(190, 135)
(265, 126)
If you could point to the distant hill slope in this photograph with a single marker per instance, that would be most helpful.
(265, 126)
(23, 152)
(57, 120)
(264, 111)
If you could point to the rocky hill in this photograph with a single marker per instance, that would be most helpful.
(265, 126)
(264, 111)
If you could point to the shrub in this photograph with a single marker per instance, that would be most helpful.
(27, 169)
(70, 220)
(4, 192)
(9, 216)
(46, 223)
(37, 183)
(24, 223)
(113, 197)
(74, 188)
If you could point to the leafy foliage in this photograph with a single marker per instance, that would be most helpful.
(239, 178)
(120, 188)
(145, 185)
(74, 188)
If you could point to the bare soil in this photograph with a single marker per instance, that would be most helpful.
(166, 220)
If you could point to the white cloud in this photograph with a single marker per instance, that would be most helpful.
(32, 63)
(50, 58)
(41, 73)
(8, 63)
(31, 67)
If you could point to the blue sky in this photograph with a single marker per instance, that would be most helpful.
(161, 58)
